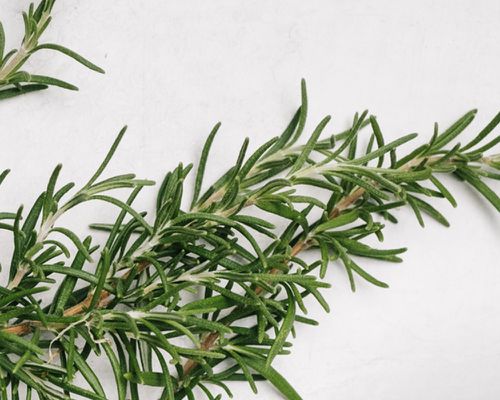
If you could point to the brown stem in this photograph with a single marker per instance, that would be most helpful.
(20, 329)
(346, 202)
(207, 344)
(26, 327)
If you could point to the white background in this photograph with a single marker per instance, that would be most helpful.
(174, 68)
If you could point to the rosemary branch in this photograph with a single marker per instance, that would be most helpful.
(303, 244)
(13, 80)
(133, 305)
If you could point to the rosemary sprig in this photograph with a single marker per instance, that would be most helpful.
(134, 304)
(13, 80)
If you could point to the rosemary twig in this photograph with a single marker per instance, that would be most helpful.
(304, 243)
(13, 80)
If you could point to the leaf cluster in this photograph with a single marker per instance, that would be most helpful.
(15, 81)
(130, 299)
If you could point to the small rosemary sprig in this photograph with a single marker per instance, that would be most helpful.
(13, 80)
(134, 303)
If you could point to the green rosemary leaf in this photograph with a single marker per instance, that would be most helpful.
(283, 211)
(302, 115)
(125, 207)
(448, 155)
(484, 132)
(377, 178)
(273, 376)
(307, 321)
(24, 345)
(365, 275)
(485, 147)
(454, 130)
(47, 80)
(11, 296)
(29, 379)
(411, 176)
(445, 192)
(285, 329)
(3, 175)
(287, 133)
(75, 273)
(253, 221)
(2, 41)
(350, 135)
(203, 162)
(240, 159)
(69, 53)
(215, 303)
(157, 379)
(413, 155)
(107, 159)
(28, 353)
(102, 274)
(121, 389)
(33, 215)
(70, 373)
(253, 160)
(341, 220)
(85, 369)
(20, 89)
(68, 387)
(244, 368)
(36, 366)
(325, 258)
(61, 192)
(385, 149)
(306, 151)
(68, 284)
(308, 200)
(379, 137)
(360, 249)
(414, 206)
(76, 241)
(431, 211)
(479, 185)
(48, 200)
(6, 227)
(368, 186)
(18, 239)
(51, 252)
(200, 353)
(224, 221)
(159, 340)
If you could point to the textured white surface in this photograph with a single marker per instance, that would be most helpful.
(176, 67)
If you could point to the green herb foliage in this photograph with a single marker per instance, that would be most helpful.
(134, 304)
(15, 81)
